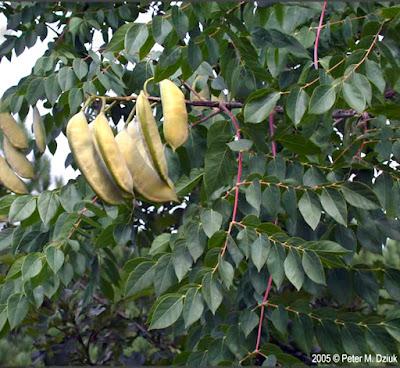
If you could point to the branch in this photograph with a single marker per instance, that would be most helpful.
(321, 19)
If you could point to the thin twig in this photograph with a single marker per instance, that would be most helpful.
(205, 118)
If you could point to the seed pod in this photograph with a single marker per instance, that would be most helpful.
(103, 164)
(151, 135)
(83, 149)
(111, 154)
(10, 180)
(17, 160)
(14, 132)
(39, 131)
(175, 126)
(146, 181)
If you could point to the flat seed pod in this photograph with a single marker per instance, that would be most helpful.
(17, 160)
(82, 147)
(146, 181)
(111, 154)
(10, 180)
(151, 135)
(175, 126)
(104, 166)
(38, 131)
(14, 132)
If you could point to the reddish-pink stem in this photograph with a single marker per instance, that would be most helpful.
(238, 176)
(321, 19)
(265, 299)
(271, 121)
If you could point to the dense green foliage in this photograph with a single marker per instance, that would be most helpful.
(91, 283)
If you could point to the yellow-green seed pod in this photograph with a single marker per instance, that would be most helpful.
(151, 135)
(39, 131)
(82, 147)
(17, 160)
(10, 180)
(146, 181)
(14, 132)
(111, 154)
(175, 125)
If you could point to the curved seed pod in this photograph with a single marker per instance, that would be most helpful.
(104, 166)
(14, 132)
(111, 154)
(17, 160)
(38, 130)
(10, 180)
(151, 135)
(83, 149)
(201, 87)
(146, 181)
(175, 126)
(136, 133)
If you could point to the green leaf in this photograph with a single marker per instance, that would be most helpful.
(116, 43)
(334, 205)
(186, 184)
(375, 75)
(80, 68)
(164, 276)
(75, 98)
(52, 88)
(313, 267)
(17, 309)
(160, 244)
(140, 278)
(253, 196)
(248, 321)
(298, 144)
(326, 246)
(166, 311)
(392, 283)
(259, 105)
(211, 290)
(360, 195)
(296, 105)
(241, 145)
(259, 251)
(74, 25)
(170, 61)
(293, 269)
(219, 165)
(48, 203)
(55, 258)
(180, 21)
(64, 225)
(226, 271)
(22, 208)
(393, 328)
(354, 96)
(280, 319)
(66, 78)
(32, 265)
(182, 262)
(193, 307)
(35, 91)
(135, 38)
(275, 262)
(310, 209)
(161, 28)
(322, 99)
(211, 221)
